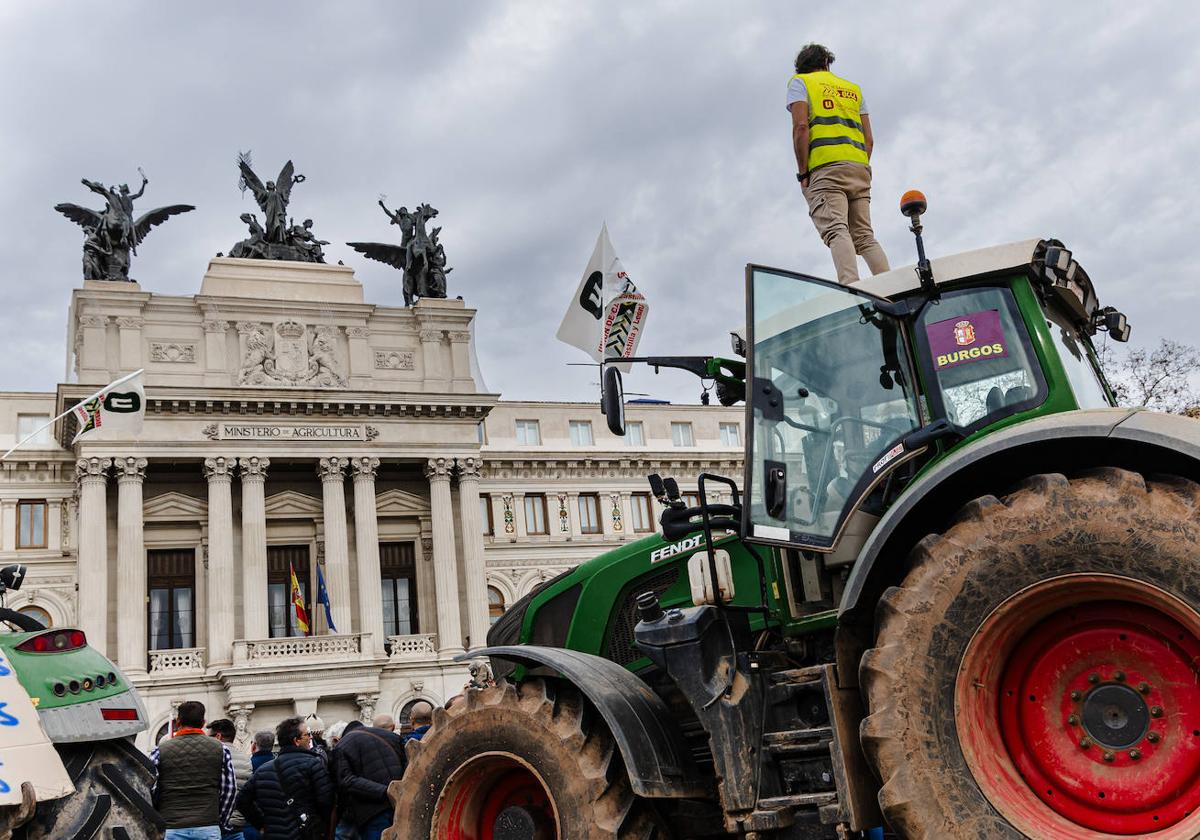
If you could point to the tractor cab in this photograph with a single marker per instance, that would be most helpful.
(851, 391)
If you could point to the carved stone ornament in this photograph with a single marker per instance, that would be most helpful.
(564, 523)
(240, 715)
(218, 469)
(438, 469)
(210, 431)
(427, 547)
(372, 432)
(89, 470)
(253, 468)
(469, 469)
(358, 332)
(332, 469)
(131, 469)
(93, 320)
(395, 360)
(432, 335)
(129, 323)
(216, 326)
(509, 526)
(617, 524)
(365, 468)
(459, 337)
(172, 353)
(290, 353)
(366, 706)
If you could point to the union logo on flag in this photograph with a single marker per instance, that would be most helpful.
(964, 333)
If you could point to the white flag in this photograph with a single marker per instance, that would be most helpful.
(607, 315)
(119, 407)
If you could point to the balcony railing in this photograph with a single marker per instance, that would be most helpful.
(165, 663)
(409, 648)
(293, 649)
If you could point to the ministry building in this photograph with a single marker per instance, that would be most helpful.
(292, 427)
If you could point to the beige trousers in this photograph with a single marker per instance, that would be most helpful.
(839, 202)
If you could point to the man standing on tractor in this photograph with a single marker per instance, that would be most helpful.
(831, 134)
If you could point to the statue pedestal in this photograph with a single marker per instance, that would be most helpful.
(280, 280)
(112, 286)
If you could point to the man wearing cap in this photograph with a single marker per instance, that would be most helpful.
(831, 135)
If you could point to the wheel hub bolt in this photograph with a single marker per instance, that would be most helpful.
(1093, 678)
(1153, 737)
(1085, 742)
(1108, 755)
(1144, 687)
(1156, 711)
(1119, 676)
(1073, 720)
(1075, 695)
(1135, 754)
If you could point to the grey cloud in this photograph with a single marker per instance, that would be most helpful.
(528, 124)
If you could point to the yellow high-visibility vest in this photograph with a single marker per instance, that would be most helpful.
(835, 131)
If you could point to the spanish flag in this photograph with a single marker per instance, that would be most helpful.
(298, 602)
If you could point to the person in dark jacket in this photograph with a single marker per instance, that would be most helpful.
(289, 798)
(367, 759)
(262, 750)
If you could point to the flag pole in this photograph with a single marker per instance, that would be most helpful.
(42, 428)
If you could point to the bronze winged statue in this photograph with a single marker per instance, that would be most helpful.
(419, 255)
(276, 238)
(112, 233)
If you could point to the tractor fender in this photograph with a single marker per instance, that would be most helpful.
(1144, 441)
(656, 758)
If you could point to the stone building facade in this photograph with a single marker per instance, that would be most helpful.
(293, 427)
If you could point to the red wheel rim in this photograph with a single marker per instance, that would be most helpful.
(1078, 709)
(493, 796)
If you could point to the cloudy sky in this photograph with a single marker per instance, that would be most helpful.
(528, 124)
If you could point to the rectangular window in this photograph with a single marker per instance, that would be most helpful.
(171, 586)
(281, 611)
(681, 434)
(635, 434)
(528, 433)
(589, 514)
(581, 433)
(643, 520)
(481, 432)
(31, 524)
(485, 515)
(398, 572)
(28, 423)
(731, 434)
(691, 499)
(535, 514)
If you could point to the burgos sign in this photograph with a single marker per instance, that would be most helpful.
(967, 338)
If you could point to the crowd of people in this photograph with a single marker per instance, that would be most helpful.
(300, 782)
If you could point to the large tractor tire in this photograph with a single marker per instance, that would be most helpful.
(1037, 674)
(111, 800)
(524, 762)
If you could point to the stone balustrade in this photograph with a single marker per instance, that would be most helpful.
(409, 648)
(296, 649)
(174, 661)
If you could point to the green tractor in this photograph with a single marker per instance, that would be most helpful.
(90, 712)
(955, 596)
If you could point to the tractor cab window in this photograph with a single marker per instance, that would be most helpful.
(830, 400)
(1078, 362)
(977, 350)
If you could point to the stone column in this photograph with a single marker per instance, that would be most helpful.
(253, 470)
(220, 587)
(366, 542)
(460, 362)
(216, 369)
(129, 342)
(8, 522)
(92, 604)
(474, 570)
(444, 572)
(131, 566)
(573, 512)
(337, 550)
(91, 352)
(360, 356)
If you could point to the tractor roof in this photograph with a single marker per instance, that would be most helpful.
(955, 267)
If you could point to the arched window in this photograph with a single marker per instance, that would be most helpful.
(162, 732)
(37, 613)
(496, 605)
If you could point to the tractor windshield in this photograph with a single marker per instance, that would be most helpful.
(831, 397)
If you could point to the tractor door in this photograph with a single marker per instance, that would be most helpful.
(830, 396)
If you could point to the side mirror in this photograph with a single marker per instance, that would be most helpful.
(12, 576)
(1117, 325)
(612, 400)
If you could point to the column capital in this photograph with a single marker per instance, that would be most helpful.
(332, 468)
(253, 468)
(366, 707)
(131, 469)
(469, 468)
(459, 337)
(128, 323)
(365, 468)
(431, 335)
(438, 469)
(218, 469)
(88, 470)
(216, 325)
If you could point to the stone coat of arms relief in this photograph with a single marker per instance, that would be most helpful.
(288, 352)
